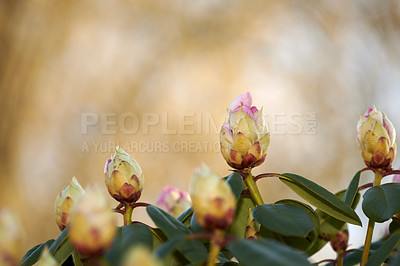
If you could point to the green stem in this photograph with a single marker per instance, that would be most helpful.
(339, 260)
(254, 192)
(215, 247)
(128, 214)
(371, 224)
(214, 250)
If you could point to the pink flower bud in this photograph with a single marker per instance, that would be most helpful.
(244, 138)
(377, 139)
(174, 201)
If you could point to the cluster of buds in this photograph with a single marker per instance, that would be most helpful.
(92, 227)
(65, 202)
(376, 137)
(10, 238)
(124, 177)
(213, 201)
(244, 137)
(174, 201)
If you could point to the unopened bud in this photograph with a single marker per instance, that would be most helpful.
(339, 244)
(174, 201)
(10, 238)
(244, 138)
(213, 201)
(65, 202)
(124, 177)
(377, 139)
(92, 227)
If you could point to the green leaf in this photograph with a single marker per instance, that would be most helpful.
(60, 239)
(266, 252)
(288, 220)
(382, 202)
(192, 249)
(126, 237)
(167, 223)
(194, 226)
(313, 215)
(354, 256)
(76, 258)
(350, 259)
(61, 249)
(173, 259)
(352, 189)
(186, 216)
(167, 247)
(236, 182)
(33, 255)
(330, 226)
(303, 243)
(394, 226)
(321, 198)
(394, 260)
(242, 212)
(380, 255)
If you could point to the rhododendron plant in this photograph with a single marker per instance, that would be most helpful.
(229, 223)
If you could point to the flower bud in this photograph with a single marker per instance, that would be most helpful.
(10, 238)
(174, 201)
(46, 259)
(252, 227)
(376, 137)
(213, 201)
(339, 244)
(139, 255)
(124, 177)
(244, 138)
(92, 227)
(65, 201)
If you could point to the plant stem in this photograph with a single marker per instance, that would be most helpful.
(254, 192)
(128, 214)
(371, 224)
(339, 260)
(215, 247)
(214, 250)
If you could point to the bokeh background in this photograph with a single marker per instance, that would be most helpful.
(176, 65)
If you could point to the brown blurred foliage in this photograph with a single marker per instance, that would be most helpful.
(62, 59)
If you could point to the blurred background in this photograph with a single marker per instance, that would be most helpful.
(156, 77)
